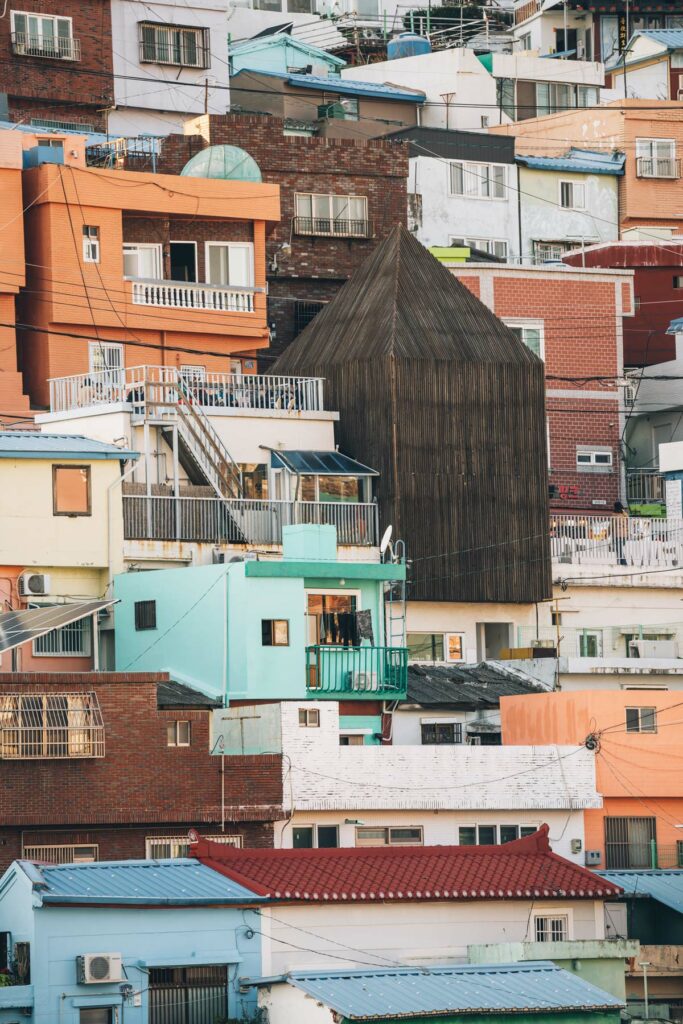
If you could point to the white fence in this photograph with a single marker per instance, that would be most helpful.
(617, 540)
(175, 295)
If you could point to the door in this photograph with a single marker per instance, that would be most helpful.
(332, 619)
(188, 995)
(142, 261)
(183, 261)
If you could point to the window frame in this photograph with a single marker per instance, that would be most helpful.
(139, 612)
(314, 828)
(480, 178)
(136, 247)
(456, 724)
(528, 828)
(274, 624)
(56, 467)
(73, 53)
(387, 829)
(85, 629)
(592, 465)
(586, 634)
(249, 246)
(523, 324)
(227, 840)
(549, 914)
(309, 718)
(330, 217)
(174, 725)
(488, 245)
(91, 243)
(202, 42)
(567, 183)
(651, 713)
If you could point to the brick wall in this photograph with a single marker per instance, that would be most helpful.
(163, 230)
(57, 89)
(314, 268)
(141, 782)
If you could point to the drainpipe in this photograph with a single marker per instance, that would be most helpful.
(519, 215)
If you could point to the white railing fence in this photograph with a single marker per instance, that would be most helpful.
(138, 385)
(243, 520)
(177, 295)
(616, 540)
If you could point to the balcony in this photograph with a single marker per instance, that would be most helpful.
(52, 47)
(326, 227)
(644, 486)
(372, 672)
(638, 543)
(243, 520)
(135, 385)
(50, 726)
(180, 295)
(657, 167)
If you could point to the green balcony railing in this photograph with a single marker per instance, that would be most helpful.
(357, 671)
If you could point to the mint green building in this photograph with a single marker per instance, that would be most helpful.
(304, 625)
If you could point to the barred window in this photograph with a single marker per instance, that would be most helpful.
(180, 45)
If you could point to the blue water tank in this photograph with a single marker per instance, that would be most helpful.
(407, 44)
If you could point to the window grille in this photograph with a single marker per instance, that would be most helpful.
(71, 641)
(178, 45)
(67, 126)
(552, 929)
(170, 847)
(82, 853)
(304, 312)
(50, 726)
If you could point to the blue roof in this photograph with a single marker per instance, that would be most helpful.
(347, 87)
(672, 38)
(676, 326)
(579, 161)
(30, 444)
(537, 987)
(280, 39)
(664, 886)
(180, 882)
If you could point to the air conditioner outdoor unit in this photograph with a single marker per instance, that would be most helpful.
(364, 681)
(95, 968)
(580, 50)
(33, 584)
(654, 648)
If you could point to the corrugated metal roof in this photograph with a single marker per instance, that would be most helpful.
(32, 444)
(320, 463)
(467, 686)
(173, 694)
(180, 882)
(664, 886)
(344, 87)
(579, 161)
(672, 38)
(456, 145)
(538, 987)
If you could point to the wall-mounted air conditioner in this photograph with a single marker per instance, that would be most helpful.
(33, 584)
(364, 681)
(99, 968)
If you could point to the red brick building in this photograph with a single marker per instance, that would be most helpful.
(658, 290)
(574, 320)
(339, 198)
(56, 63)
(99, 766)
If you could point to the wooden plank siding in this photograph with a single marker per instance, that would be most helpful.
(443, 399)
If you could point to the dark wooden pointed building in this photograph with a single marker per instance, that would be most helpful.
(444, 400)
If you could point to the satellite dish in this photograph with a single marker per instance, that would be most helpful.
(386, 538)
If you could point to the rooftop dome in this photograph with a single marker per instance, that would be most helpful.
(228, 162)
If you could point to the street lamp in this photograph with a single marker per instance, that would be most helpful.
(645, 966)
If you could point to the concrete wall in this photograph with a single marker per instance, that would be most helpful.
(544, 219)
(407, 721)
(144, 108)
(412, 933)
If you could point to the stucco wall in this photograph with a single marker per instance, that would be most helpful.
(544, 218)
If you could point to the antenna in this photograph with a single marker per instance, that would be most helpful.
(386, 540)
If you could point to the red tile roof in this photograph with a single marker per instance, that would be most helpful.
(526, 868)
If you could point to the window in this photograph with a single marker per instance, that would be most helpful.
(425, 646)
(39, 35)
(551, 928)
(96, 1015)
(351, 739)
(72, 640)
(145, 615)
(50, 725)
(62, 854)
(105, 356)
(630, 842)
(572, 195)
(454, 642)
(332, 620)
(267, 5)
(656, 158)
(230, 263)
(63, 126)
(310, 837)
(71, 491)
(275, 632)
(525, 40)
(478, 181)
(551, 252)
(178, 734)
(641, 719)
(597, 460)
(174, 44)
(492, 835)
(304, 312)
(493, 246)
(170, 847)
(91, 244)
(142, 261)
(318, 214)
(678, 281)
(342, 108)
(309, 718)
(392, 836)
(589, 643)
(552, 97)
(530, 335)
(440, 732)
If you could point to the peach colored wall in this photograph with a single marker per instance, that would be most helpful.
(84, 299)
(14, 404)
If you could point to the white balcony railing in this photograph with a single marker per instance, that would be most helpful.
(180, 295)
(135, 385)
(658, 167)
(243, 520)
(644, 485)
(617, 540)
(26, 44)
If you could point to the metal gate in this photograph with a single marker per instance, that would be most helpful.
(188, 995)
(630, 842)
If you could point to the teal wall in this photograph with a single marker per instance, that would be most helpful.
(373, 722)
(281, 56)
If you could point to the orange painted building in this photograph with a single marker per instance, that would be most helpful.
(650, 133)
(143, 269)
(638, 736)
(14, 405)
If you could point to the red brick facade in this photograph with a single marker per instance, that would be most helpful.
(57, 89)
(142, 786)
(580, 316)
(312, 269)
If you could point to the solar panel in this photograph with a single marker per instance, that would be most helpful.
(18, 627)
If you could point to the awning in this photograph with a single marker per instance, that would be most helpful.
(18, 627)
(320, 464)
